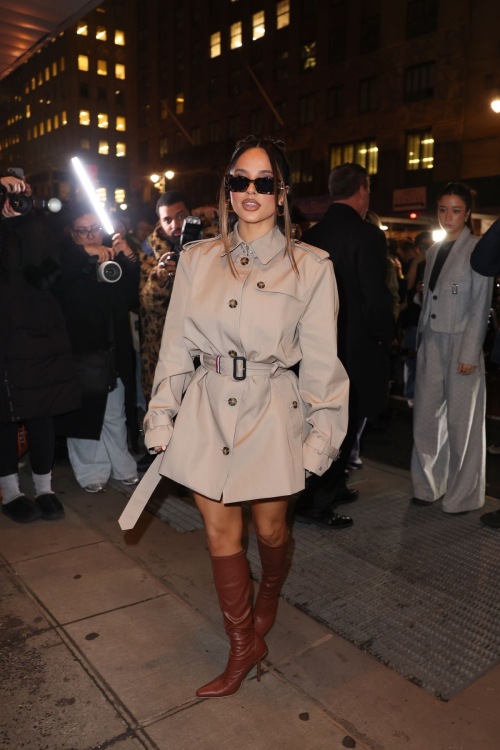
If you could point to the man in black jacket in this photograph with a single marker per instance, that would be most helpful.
(485, 259)
(365, 326)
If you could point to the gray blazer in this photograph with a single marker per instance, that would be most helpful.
(460, 301)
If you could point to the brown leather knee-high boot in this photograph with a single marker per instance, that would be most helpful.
(274, 567)
(232, 580)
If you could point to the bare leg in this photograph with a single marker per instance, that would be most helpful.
(269, 517)
(223, 524)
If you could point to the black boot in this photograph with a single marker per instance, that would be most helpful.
(50, 506)
(21, 510)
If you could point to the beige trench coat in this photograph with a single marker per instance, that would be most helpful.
(254, 438)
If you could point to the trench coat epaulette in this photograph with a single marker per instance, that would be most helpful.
(319, 255)
(199, 242)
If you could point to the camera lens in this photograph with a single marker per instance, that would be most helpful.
(109, 271)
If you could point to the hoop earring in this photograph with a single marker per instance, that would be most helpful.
(282, 212)
(229, 207)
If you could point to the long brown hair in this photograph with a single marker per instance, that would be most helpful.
(282, 179)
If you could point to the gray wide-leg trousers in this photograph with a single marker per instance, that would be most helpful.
(449, 451)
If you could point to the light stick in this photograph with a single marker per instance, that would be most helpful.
(96, 204)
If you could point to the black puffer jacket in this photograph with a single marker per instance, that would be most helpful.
(37, 374)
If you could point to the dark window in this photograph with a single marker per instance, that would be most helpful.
(364, 153)
(302, 171)
(281, 66)
(143, 84)
(370, 34)
(258, 71)
(419, 82)
(179, 141)
(179, 59)
(421, 17)
(280, 108)
(214, 89)
(143, 116)
(337, 49)
(368, 94)
(142, 40)
(196, 136)
(195, 96)
(256, 121)
(308, 8)
(143, 152)
(84, 90)
(179, 17)
(163, 68)
(233, 127)
(213, 132)
(195, 54)
(119, 97)
(306, 109)
(234, 82)
(163, 147)
(308, 56)
(196, 10)
(335, 102)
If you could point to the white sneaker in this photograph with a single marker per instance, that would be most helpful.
(129, 482)
(494, 450)
(95, 488)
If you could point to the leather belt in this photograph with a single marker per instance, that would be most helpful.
(237, 368)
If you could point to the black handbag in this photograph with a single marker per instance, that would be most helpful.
(97, 369)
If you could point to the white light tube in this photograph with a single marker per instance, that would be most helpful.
(96, 204)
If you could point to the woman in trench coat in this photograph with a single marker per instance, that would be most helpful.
(449, 452)
(251, 303)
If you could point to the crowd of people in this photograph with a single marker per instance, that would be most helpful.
(258, 355)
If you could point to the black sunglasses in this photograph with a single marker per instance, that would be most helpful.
(240, 183)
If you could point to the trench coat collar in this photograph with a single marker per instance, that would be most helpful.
(265, 248)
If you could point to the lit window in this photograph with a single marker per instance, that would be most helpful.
(258, 25)
(49, 125)
(40, 78)
(179, 103)
(121, 149)
(215, 46)
(236, 35)
(120, 38)
(42, 128)
(35, 131)
(364, 153)
(54, 68)
(33, 84)
(83, 62)
(29, 134)
(163, 109)
(103, 147)
(62, 64)
(84, 117)
(28, 110)
(120, 71)
(121, 123)
(47, 74)
(420, 151)
(56, 122)
(27, 88)
(64, 119)
(102, 68)
(101, 33)
(85, 143)
(101, 194)
(308, 55)
(119, 195)
(282, 14)
(82, 29)
(102, 121)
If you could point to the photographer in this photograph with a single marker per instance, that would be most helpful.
(38, 374)
(97, 316)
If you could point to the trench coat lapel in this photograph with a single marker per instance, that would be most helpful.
(266, 248)
(457, 261)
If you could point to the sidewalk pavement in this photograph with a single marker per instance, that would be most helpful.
(105, 636)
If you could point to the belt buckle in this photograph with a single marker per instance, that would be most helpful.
(242, 368)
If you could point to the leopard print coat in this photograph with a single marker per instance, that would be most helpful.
(153, 309)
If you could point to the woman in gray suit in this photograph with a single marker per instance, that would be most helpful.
(449, 451)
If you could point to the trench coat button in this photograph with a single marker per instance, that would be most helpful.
(233, 303)
(435, 296)
(433, 316)
(225, 451)
(232, 353)
(232, 402)
(294, 404)
(244, 261)
(261, 285)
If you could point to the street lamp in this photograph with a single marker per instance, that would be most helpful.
(154, 178)
(170, 175)
(495, 105)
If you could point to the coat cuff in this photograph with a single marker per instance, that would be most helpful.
(158, 429)
(317, 455)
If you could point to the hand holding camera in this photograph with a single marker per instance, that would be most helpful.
(167, 266)
(103, 253)
(120, 245)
